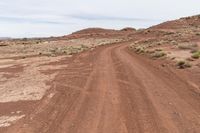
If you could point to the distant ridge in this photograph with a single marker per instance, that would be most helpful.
(94, 30)
(192, 21)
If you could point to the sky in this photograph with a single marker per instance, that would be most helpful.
(43, 18)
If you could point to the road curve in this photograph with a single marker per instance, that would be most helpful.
(110, 90)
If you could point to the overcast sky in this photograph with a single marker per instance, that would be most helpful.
(34, 18)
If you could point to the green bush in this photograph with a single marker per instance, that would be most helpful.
(196, 55)
(183, 64)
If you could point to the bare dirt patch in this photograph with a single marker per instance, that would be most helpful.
(30, 83)
(6, 121)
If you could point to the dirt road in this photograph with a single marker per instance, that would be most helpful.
(110, 90)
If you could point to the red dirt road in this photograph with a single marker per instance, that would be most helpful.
(110, 90)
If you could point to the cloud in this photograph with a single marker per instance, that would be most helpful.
(103, 17)
(27, 20)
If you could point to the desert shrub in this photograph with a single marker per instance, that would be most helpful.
(74, 50)
(53, 50)
(131, 46)
(198, 34)
(168, 33)
(174, 42)
(150, 51)
(158, 54)
(84, 47)
(158, 49)
(139, 49)
(187, 46)
(159, 43)
(183, 64)
(196, 55)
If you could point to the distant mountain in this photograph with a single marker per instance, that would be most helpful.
(94, 31)
(99, 32)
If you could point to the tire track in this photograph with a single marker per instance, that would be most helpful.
(170, 112)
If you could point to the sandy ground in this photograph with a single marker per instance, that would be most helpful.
(109, 90)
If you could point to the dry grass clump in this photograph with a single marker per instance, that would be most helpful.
(183, 64)
(158, 54)
(69, 50)
(174, 42)
(150, 51)
(186, 46)
(198, 34)
(139, 49)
